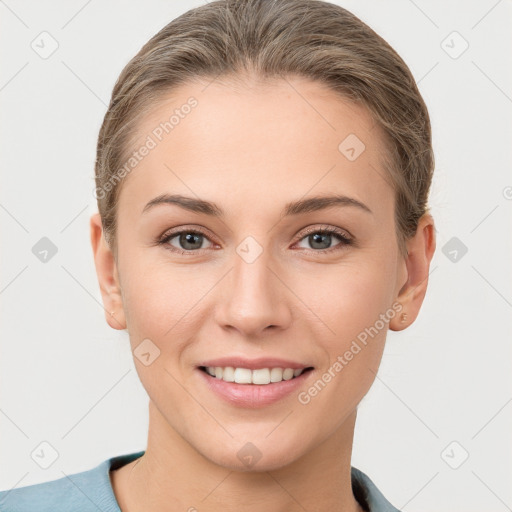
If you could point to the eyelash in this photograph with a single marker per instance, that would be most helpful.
(344, 239)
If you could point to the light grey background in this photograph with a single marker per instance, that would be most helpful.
(69, 380)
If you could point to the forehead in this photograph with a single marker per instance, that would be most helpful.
(289, 138)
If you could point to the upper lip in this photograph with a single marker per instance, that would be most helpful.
(254, 364)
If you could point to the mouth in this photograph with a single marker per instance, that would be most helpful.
(257, 376)
(254, 388)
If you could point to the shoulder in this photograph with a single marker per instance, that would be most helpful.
(79, 491)
(86, 491)
(368, 494)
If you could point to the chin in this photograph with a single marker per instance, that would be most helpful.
(254, 456)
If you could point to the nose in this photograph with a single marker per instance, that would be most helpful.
(254, 298)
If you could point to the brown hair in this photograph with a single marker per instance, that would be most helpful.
(273, 38)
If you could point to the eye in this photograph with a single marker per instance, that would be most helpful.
(321, 238)
(187, 241)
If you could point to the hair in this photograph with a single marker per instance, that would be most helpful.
(273, 39)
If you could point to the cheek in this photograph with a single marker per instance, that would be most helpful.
(164, 305)
(156, 295)
(352, 335)
(352, 332)
(348, 298)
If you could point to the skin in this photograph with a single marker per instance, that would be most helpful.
(272, 145)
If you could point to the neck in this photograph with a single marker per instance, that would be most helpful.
(172, 476)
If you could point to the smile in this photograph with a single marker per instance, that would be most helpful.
(260, 376)
(255, 388)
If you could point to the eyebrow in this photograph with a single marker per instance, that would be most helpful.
(311, 204)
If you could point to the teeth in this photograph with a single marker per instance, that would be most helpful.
(242, 375)
(260, 376)
(276, 375)
(247, 376)
(227, 374)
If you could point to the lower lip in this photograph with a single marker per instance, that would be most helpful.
(253, 395)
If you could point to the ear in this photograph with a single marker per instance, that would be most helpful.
(108, 277)
(420, 250)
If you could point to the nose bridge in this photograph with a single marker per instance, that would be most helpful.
(254, 299)
(251, 275)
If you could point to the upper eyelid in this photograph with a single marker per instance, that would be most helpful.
(204, 231)
(171, 234)
(340, 232)
(326, 227)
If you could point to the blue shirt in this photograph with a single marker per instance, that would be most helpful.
(91, 491)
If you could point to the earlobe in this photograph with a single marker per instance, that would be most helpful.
(107, 273)
(421, 248)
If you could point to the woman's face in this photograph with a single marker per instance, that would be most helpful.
(259, 281)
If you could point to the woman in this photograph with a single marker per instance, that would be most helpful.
(262, 178)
